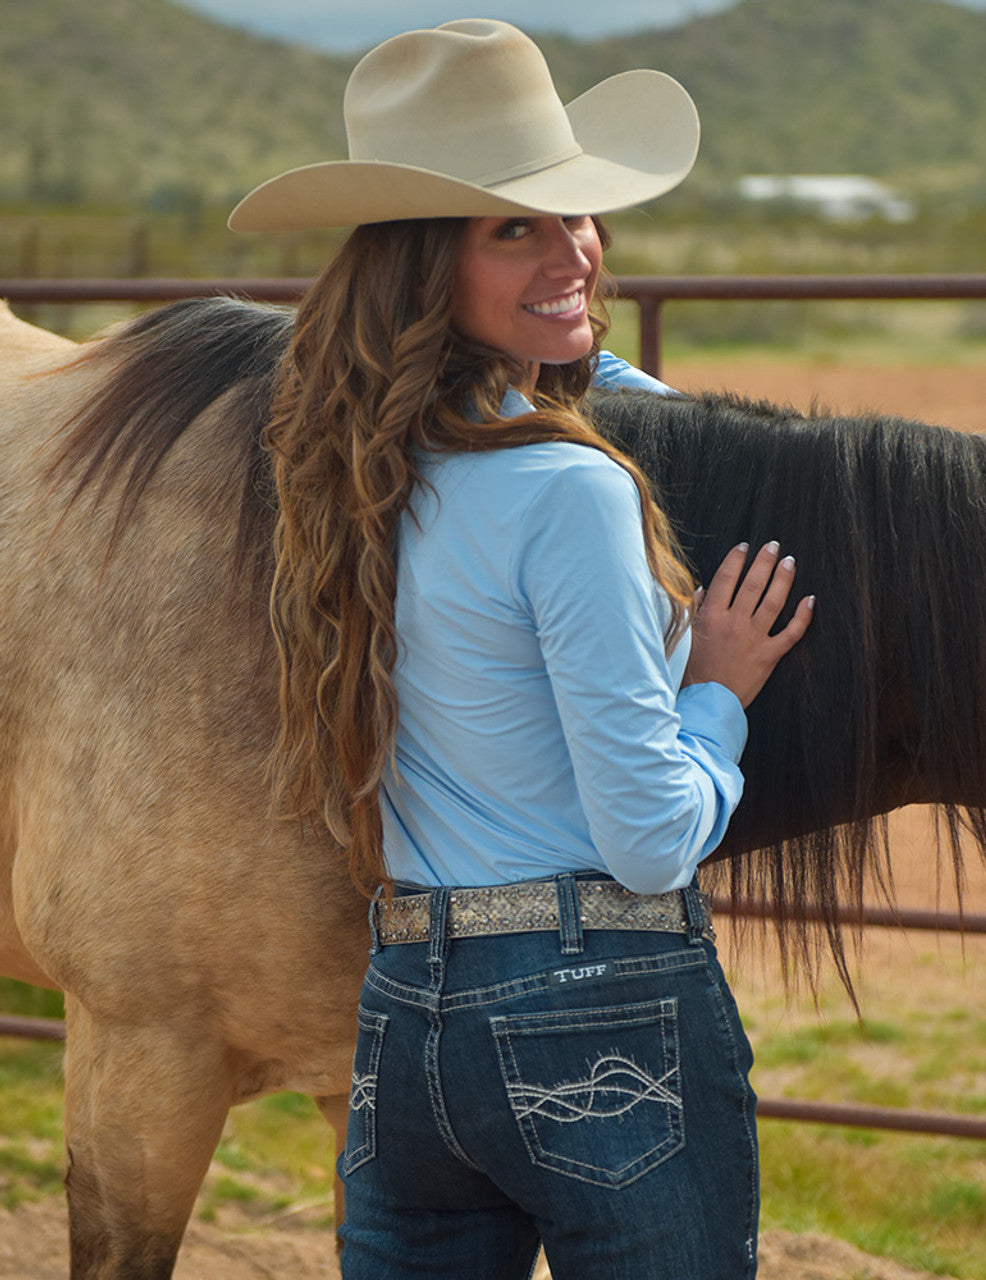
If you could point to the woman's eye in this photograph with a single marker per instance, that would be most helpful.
(514, 229)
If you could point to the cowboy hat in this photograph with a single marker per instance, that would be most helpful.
(464, 121)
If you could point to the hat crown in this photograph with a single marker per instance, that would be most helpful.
(472, 99)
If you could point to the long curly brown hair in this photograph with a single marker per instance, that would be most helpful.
(374, 373)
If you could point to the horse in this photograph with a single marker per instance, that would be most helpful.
(211, 951)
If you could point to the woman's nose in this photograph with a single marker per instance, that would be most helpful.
(566, 255)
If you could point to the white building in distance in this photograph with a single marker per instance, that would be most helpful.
(841, 197)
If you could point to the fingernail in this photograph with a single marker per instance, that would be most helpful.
(811, 602)
(742, 546)
(788, 562)
(773, 548)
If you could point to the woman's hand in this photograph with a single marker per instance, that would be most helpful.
(731, 640)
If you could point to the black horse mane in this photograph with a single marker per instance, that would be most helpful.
(882, 704)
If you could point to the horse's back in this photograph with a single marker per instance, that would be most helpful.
(36, 391)
(27, 348)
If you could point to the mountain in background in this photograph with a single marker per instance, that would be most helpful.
(889, 88)
(137, 101)
(142, 103)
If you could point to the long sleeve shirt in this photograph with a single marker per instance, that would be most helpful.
(542, 727)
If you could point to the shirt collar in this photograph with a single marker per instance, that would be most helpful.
(515, 403)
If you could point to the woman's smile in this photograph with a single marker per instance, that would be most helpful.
(567, 307)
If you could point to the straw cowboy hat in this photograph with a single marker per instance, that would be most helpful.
(464, 121)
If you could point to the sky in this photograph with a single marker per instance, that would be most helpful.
(342, 26)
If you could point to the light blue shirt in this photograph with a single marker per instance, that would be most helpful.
(613, 373)
(542, 727)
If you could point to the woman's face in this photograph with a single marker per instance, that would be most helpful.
(523, 286)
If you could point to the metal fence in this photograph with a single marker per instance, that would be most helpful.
(651, 293)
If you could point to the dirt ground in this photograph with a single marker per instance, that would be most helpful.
(33, 1247)
(948, 396)
(33, 1238)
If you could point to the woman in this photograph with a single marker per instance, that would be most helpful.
(484, 629)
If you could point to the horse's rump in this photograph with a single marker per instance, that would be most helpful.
(140, 699)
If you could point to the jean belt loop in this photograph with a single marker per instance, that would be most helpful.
(569, 914)
(694, 914)
(436, 924)
(372, 915)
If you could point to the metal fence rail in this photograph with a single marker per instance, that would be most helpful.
(31, 1028)
(866, 916)
(649, 292)
(893, 1119)
(652, 292)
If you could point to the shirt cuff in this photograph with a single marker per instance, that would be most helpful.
(713, 713)
(615, 374)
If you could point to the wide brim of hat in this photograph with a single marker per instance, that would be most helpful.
(639, 135)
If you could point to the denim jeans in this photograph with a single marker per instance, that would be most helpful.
(587, 1090)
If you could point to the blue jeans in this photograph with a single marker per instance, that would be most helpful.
(584, 1090)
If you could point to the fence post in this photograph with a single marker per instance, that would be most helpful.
(140, 250)
(30, 250)
(650, 335)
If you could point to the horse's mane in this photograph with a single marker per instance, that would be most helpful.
(880, 705)
(884, 702)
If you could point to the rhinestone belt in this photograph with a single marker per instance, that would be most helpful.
(532, 907)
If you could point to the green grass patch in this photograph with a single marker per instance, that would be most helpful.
(31, 1160)
(920, 1045)
(919, 1201)
(276, 1159)
(30, 1002)
(26, 1175)
(31, 1088)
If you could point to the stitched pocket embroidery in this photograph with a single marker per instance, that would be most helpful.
(361, 1130)
(596, 1093)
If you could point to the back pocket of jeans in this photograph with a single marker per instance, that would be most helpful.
(361, 1129)
(596, 1093)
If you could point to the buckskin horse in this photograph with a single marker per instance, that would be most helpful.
(210, 952)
